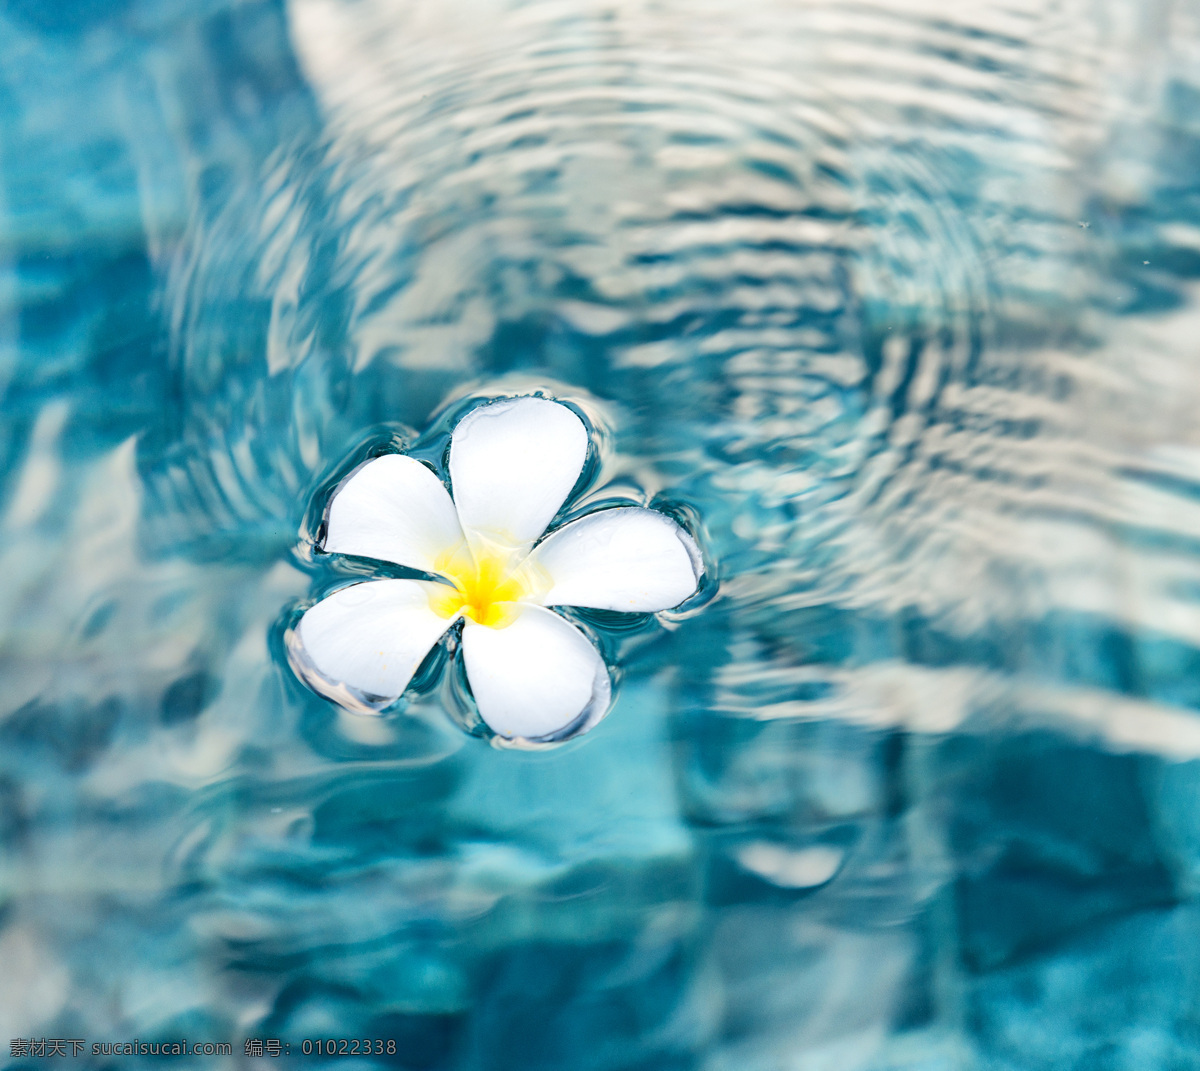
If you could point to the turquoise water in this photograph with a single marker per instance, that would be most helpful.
(898, 301)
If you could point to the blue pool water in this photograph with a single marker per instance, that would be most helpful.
(900, 299)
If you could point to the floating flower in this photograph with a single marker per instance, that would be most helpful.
(533, 674)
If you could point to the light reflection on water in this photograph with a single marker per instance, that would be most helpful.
(899, 299)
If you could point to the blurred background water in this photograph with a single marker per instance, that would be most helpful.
(901, 297)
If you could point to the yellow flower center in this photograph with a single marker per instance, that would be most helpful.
(487, 585)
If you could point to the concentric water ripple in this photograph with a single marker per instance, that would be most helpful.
(851, 232)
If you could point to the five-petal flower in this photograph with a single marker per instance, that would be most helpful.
(534, 675)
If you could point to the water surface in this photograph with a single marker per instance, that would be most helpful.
(900, 299)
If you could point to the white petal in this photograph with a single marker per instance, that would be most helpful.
(512, 464)
(535, 677)
(394, 509)
(370, 637)
(631, 559)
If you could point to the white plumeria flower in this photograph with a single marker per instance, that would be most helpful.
(534, 675)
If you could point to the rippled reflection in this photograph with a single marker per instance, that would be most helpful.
(897, 299)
